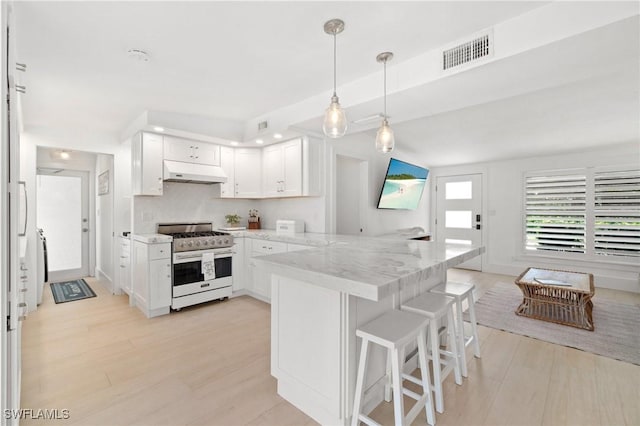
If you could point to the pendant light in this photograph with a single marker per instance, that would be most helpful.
(335, 120)
(384, 138)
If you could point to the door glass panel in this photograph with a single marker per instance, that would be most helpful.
(59, 214)
(454, 241)
(457, 219)
(458, 190)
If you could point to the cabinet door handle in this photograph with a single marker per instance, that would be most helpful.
(21, 67)
(21, 89)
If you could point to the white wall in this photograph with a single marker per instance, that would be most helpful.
(104, 220)
(311, 210)
(503, 210)
(376, 221)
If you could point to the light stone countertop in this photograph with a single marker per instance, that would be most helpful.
(367, 267)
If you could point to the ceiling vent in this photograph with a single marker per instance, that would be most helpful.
(263, 125)
(469, 51)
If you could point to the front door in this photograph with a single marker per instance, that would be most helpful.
(459, 213)
(63, 215)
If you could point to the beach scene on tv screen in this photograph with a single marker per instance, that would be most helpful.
(403, 186)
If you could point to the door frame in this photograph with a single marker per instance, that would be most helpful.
(332, 191)
(459, 171)
(88, 253)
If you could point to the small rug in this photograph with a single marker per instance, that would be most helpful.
(616, 324)
(68, 291)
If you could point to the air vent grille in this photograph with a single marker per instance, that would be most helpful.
(263, 125)
(466, 52)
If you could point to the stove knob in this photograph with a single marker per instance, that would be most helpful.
(205, 242)
(197, 243)
(182, 244)
(190, 244)
(219, 242)
(226, 241)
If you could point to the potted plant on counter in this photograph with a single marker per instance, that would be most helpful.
(233, 220)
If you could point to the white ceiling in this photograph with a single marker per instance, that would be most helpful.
(238, 60)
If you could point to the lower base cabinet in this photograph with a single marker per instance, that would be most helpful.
(151, 278)
(259, 282)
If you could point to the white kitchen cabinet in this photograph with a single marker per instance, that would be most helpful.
(238, 266)
(282, 169)
(124, 270)
(152, 277)
(190, 151)
(248, 173)
(146, 164)
(227, 159)
(260, 282)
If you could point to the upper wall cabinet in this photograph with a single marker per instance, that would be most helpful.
(146, 164)
(247, 173)
(282, 169)
(190, 151)
(227, 162)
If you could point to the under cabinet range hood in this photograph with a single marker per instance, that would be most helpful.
(177, 171)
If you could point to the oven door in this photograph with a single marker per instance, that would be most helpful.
(188, 277)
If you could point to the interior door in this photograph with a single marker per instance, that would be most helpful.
(459, 213)
(63, 214)
(351, 192)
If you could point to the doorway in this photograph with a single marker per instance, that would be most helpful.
(351, 195)
(459, 213)
(63, 214)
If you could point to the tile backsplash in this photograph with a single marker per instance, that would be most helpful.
(191, 202)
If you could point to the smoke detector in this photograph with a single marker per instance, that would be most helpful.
(138, 55)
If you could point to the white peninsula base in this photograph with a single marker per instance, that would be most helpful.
(314, 347)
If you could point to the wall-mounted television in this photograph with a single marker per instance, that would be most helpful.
(403, 186)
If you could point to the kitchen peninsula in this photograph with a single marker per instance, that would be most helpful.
(319, 297)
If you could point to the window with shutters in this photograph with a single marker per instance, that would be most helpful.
(588, 213)
(617, 213)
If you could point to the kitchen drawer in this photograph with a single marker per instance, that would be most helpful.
(159, 251)
(262, 247)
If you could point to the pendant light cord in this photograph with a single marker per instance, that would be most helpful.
(385, 89)
(334, 64)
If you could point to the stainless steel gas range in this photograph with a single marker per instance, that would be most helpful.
(202, 260)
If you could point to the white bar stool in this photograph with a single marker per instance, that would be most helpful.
(394, 330)
(460, 292)
(436, 307)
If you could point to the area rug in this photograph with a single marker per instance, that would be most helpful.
(616, 334)
(68, 291)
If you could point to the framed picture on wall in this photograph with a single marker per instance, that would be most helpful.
(103, 183)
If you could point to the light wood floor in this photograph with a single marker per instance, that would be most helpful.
(209, 365)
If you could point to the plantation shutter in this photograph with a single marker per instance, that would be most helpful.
(617, 213)
(555, 213)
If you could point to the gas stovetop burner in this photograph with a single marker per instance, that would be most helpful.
(195, 236)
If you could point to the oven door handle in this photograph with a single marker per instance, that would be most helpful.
(178, 258)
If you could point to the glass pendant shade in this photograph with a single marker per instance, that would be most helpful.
(384, 138)
(335, 120)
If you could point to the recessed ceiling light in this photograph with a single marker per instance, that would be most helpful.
(259, 141)
(277, 135)
(138, 55)
(64, 155)
(158, 129)
(234, 143)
